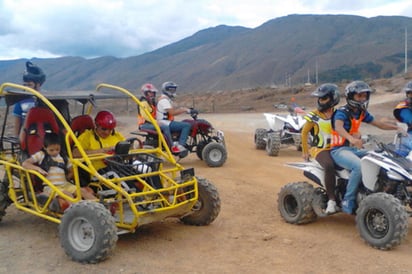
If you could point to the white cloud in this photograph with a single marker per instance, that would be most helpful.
(91, 28)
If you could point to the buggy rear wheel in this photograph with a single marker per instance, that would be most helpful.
(295, 203)
(207, 207)
(214, 154)
(4, 198)
(382, 221)
(88, 232)
(260, 135)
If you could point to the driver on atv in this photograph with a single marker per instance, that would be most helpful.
(149, 103)
(346, 139)
(166, 111)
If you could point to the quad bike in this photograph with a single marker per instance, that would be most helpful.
(207, 142)
(283, 130)
(384, 194)
(144, 186)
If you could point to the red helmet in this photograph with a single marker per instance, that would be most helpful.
(105, 119)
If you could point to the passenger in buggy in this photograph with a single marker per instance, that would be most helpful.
(50, 162)
(101, 139)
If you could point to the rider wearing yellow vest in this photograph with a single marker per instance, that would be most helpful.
(318, 124)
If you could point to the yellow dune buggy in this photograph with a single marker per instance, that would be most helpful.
(145, 185)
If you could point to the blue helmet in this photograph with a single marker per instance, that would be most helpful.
(33, 74)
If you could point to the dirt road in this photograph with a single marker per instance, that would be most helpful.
(248, 236)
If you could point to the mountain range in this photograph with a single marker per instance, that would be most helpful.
(281, 52)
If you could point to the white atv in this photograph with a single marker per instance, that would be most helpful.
(283, 130)
(385, 191)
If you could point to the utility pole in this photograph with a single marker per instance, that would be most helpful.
(406, 50)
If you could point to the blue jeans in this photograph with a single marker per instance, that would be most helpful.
(183, 128)
(350, 158)
(164, 128)
(405, 145)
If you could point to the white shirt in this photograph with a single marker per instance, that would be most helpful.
(163, 106)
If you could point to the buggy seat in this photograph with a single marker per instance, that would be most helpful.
(81, 123)
(38, 122)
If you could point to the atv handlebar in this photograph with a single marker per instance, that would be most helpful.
(193, 113)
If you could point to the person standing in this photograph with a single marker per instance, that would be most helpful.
(33, 77)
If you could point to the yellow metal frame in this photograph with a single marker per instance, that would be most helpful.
(175, 198)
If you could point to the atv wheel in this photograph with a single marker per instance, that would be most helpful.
(297, 140)
(382, 221)
(295, 203)
(88, 232)
(199, 149)
(273, 144)
(260, 135)
(207, 206)
(214, 154)
(320, 201)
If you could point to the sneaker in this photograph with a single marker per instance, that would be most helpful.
(174, 149)
(331, 208)
(55, 205)
(178, 148)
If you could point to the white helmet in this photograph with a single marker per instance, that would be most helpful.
(169, 88)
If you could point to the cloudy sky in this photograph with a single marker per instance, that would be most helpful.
(122, 28)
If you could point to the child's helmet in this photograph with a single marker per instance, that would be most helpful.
(105, 119)
(327, 90)
(357, 87)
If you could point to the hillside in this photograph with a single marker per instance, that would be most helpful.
(284, 51)
(387, 92)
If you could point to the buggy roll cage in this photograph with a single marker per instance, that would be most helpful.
(168, 168)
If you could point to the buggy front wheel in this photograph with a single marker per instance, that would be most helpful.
(88, 232)
(207, 207)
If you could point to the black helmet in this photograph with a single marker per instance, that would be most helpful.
(33, 74)
(408, 88)
(357, 87)
(327, 90)
(169, 88)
